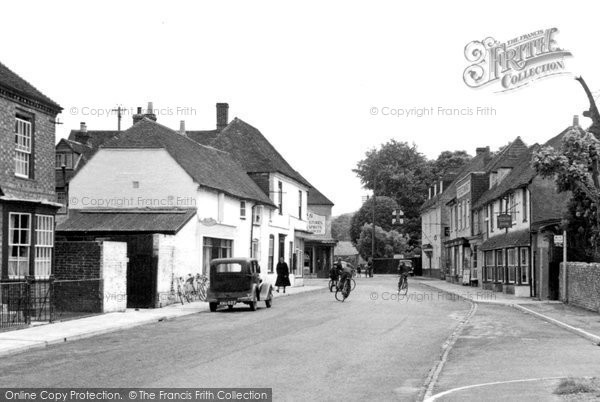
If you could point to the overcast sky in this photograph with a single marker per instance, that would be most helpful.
(305, 73)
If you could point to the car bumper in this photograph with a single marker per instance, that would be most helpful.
(226, 298)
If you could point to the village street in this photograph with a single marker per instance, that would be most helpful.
(311, 347)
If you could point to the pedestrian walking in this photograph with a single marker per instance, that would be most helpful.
(283, 275)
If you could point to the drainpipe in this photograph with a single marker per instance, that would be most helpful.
(565, 266)
(251, 228)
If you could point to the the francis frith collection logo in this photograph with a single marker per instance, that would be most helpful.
(514, 63)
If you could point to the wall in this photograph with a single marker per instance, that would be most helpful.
(90, 276)
(106, 181)
(42, 184)
(432, 231)
(580, 285)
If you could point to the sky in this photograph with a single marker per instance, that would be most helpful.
(319, 79)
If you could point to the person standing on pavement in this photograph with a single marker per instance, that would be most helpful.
(283, 275)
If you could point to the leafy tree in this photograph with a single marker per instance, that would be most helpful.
(575, 168)
(383, 216)
(340, 227)
(449, 163)
(387, 243)
(399, 171)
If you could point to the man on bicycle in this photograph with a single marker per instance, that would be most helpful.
(403, 270)
(345, 274)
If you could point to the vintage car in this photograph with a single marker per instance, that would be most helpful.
(237, 280)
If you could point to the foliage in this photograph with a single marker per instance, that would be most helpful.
(449, 163)
(575, 169)
(383, 216)
(340, 227)
(399, 171)
(387, 243)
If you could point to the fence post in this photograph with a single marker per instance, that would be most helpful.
(27, 309)
(51, 296)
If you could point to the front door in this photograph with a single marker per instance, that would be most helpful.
(281, 247)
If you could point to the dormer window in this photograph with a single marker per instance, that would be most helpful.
(65, 159)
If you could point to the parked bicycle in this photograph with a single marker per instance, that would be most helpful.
(201, 282)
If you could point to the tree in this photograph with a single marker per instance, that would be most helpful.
(575, 169)
(383, 216)
(399, 171)
(340, 227)
(449, 163)
(387, 243)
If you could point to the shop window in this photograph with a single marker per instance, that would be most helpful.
(499, 265)
(511, 259)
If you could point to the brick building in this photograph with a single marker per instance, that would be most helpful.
(27, 197)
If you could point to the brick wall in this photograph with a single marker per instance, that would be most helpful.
(78, 260)
(41, 186)
(580, 285)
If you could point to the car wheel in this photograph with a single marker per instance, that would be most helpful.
(213, 306)
(269, 301)
(230, 306)
(253, 304)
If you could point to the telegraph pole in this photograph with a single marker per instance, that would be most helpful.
(373, 228)
(119, 115)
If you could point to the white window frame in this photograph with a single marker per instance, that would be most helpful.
(44, 246)
(524, 268)
(19, 260)
(23, 148)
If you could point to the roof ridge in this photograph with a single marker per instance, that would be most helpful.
(48, 101)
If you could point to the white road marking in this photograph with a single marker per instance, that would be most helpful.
(436, 396)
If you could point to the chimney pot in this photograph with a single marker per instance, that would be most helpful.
(441, 186)
(182, 127)
(429, 193)
(222, 115)
(150, 108)
(139, 110)
(83, 127)
(482, 150)
(576, 121)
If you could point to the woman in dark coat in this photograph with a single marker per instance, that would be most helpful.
(283, 275)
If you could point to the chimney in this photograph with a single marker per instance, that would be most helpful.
(150, 112)
(483, 150)
(182, 127)
(576, 121)
(429, 193)
(435, 189)
(138, 116)
(222, 115)
(441, 186)
(82, 136)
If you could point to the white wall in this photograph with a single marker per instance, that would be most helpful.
(107, 181)
(431, 227)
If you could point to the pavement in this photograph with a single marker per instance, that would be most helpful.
(579, 321)
(40, 336)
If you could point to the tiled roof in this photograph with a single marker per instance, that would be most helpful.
(204, 137)
(315, 197)
(209, 167)
(522, 174)
(124, 220)
(504, 240)
(476, 164)
(96, 137)
(345, 248)
(13, 83)
(508, 157)
(250, 148)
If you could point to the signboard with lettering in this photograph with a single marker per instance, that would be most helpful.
(558, 240)
(504, 221)
(316, 223)
(463, 189)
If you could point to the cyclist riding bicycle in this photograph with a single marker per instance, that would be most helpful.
(403, 270)
(345, 273)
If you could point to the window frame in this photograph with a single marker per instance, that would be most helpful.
(23, 147)
(44, 245)
(20, 259)
(280, 196)
(242, 209)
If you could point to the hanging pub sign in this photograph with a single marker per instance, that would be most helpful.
(504, 221)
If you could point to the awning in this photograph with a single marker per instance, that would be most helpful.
(507, 240)
(456, 242)
(126, 221)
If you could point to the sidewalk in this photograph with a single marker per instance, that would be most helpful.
(40, 336)
(579, 321)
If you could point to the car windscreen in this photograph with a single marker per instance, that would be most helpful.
(228, 268)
